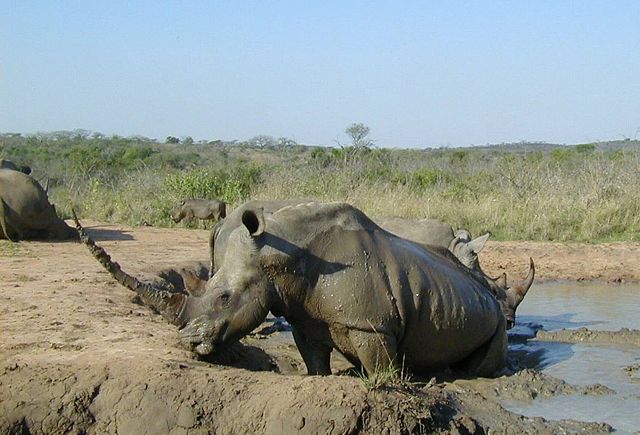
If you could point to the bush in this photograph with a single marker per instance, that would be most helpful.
(230, 186)
(423, 179)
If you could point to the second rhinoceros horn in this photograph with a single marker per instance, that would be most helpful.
(518, 291)
(171, 304)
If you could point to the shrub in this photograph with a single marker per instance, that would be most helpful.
(423, 179)
(230, 186)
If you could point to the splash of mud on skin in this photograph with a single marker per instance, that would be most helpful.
(623, 336)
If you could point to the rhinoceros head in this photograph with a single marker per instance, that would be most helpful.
(510, 297)
(237, 297)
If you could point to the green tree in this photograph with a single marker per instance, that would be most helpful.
(261, 141)
(171, 139)
(360, 143)
(359, 132)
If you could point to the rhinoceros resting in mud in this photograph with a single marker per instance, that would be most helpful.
(8, 164)
(437, 233)
(343, 283)
(199, 208)
(431, 232)
(25, 210)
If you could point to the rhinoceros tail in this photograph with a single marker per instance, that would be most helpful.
(170, 304)
(3, 220)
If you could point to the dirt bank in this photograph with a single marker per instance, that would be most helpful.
(609, 262)
(78, 355)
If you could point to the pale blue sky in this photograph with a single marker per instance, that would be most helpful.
(418, 73)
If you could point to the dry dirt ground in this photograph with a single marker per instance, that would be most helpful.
(78, 355)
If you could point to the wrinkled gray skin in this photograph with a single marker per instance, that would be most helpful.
(8, 164)
(434, 233)
(199, 208)
(429, 233)
(25, 210)
(343, 283)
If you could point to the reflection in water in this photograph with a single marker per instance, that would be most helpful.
(598, 307)
(540, 355)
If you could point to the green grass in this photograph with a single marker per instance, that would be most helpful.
(11, 249)
(380, 378)
(589, 192)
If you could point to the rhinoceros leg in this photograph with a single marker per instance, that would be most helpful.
(316, 356)
(4, 226)
(375, 350)
(489, 358)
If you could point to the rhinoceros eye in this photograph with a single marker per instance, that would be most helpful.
(223, 299)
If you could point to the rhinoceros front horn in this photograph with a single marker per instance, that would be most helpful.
(168, 303)
(520, 290)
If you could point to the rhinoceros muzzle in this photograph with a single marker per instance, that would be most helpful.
(510, 323)
(202, 335)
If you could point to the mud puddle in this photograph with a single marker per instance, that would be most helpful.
(583, 309)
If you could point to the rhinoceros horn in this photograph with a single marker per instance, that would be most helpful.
(170, 304)
(519, 291)
(500, 281)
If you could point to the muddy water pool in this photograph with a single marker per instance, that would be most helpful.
(597, 307)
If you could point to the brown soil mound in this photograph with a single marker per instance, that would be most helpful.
(78, 355)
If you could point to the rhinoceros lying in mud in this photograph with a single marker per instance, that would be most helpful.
(8, 164)
(25, 210)
(437, 233)
(199, 208)
(343, 283)
(431, 232)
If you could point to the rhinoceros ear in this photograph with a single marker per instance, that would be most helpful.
(477, 244)
(253, 220)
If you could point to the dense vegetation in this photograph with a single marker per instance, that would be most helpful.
(526, 191)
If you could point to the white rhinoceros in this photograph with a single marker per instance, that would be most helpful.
(343, 283)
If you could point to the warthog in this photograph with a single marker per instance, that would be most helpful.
(25, 210)
(199, 208)
(343, 283)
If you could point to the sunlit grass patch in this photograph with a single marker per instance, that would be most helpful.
(12, 249)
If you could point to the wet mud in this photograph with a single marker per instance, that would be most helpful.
(77, 355)
(623, 336)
